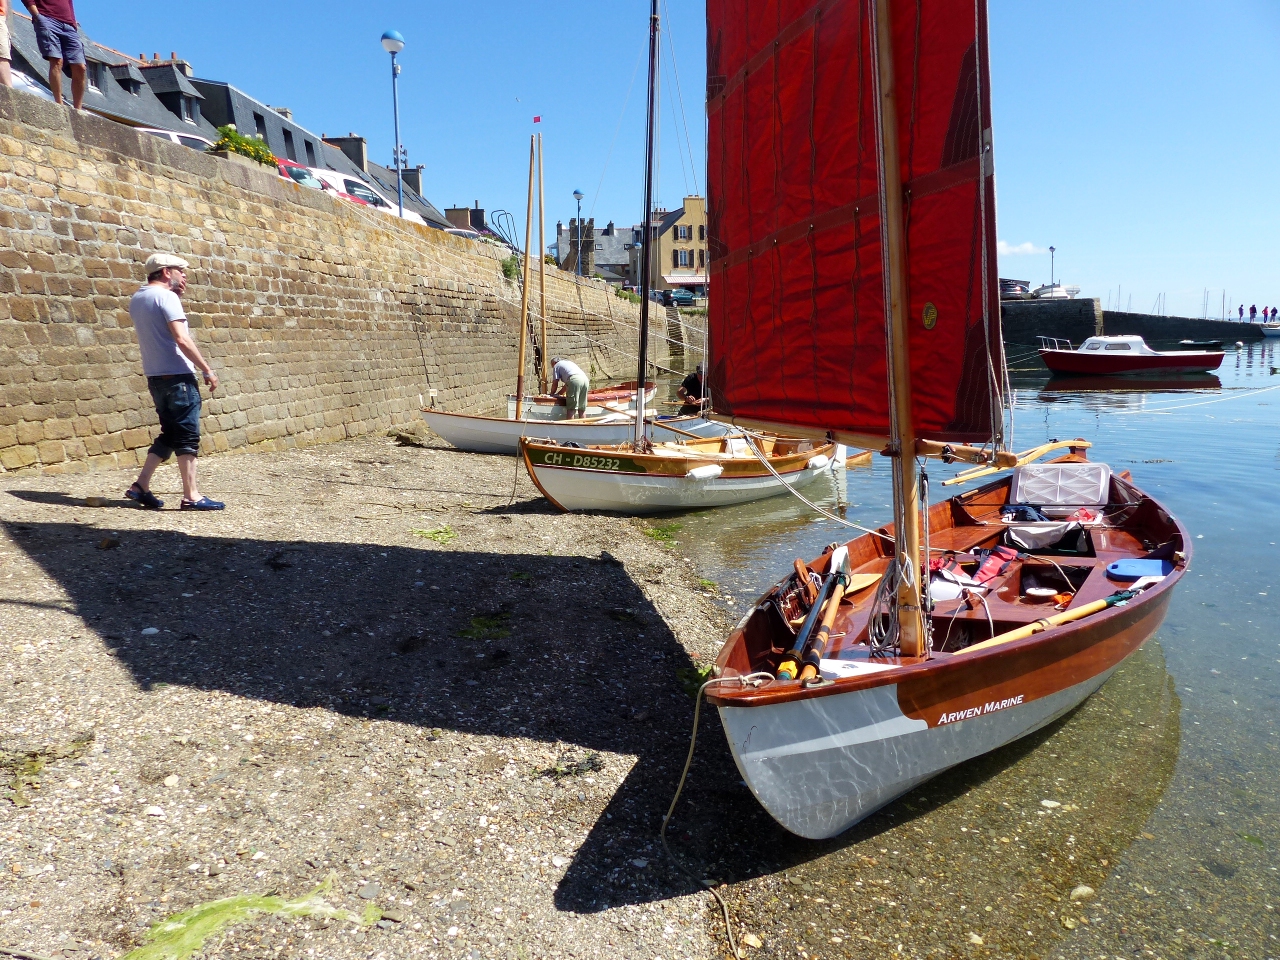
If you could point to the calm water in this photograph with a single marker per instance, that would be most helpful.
(1184, 854)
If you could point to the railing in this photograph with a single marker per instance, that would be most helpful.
(1053, 343)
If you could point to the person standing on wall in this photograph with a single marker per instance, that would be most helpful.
(6, 53)
(575, 383)
(170, 359)
(59, 40)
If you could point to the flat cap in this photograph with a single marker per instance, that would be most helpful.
(158, 261)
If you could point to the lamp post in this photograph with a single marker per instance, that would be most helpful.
(1051, 252)
(578, 195)
(393, 43)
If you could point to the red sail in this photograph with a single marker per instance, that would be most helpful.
(797, 322)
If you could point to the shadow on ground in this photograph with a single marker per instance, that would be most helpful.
(557, 649)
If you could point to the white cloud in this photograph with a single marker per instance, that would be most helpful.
(1006, 249)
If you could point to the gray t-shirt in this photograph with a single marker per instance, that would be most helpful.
(152, 309)
(566, 369)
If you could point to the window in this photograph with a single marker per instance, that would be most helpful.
(702, 231)
(184, 108)
(682, 258)
(311, 152)
(260, 125)
(304, 177)
(289, 152)
(1094, 346)
(195, 143)
(684, 232)
(361, 192)
(96, 73)
(1117, 346)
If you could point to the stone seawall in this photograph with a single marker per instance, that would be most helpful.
(1024, 321)
(323, 320)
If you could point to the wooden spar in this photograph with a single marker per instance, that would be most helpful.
(646, 253)
(1031, 629)
(542, 271)
(613, 408)
(906, 494)
(524, 292)
(1035, 453)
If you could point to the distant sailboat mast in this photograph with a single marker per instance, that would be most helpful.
(646, 252)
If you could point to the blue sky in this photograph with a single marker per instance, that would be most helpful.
(1139, 139)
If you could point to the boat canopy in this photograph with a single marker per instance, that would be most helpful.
(1118, 344)
(798, 320)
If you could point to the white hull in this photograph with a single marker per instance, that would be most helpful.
(632, 493)
(1270, 329)
(496, 435)
(821, 764)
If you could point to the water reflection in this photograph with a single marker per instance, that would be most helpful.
(1180, 835)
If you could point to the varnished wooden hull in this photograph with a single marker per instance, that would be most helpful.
(820, 759)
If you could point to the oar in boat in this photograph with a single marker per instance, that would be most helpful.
(1035, 453)
(665, 426)
(833, 585)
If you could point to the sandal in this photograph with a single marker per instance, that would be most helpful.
(204, 503)
(143, 498)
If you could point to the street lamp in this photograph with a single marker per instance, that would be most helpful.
(393, 43)
(1051, 252)
(578, 195)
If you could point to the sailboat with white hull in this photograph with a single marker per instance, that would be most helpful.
(852, 224)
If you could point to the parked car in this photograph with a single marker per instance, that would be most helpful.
(349, 187)
(679, 297)
(185, 139)
(298, 174)
(26, 85)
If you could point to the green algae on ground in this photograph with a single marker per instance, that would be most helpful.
(183, 934)
(25, 766)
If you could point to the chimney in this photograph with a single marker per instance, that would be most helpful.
(284, 112)
(355, 148)
(412, 177)
(459, 217)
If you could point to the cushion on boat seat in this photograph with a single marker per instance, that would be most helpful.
(1060, 489)
(737, 447)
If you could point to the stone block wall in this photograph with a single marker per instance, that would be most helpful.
(323, 319)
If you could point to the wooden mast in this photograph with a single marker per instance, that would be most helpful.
(542, 271)
(646, 253)
(906, 493)
(524, 291)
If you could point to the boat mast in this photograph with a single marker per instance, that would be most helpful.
(906, 493)
(524, 292)
(646, 252)
(542, 272)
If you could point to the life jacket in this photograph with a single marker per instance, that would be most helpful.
(996, 563)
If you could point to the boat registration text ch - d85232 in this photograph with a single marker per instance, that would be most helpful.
(567, 459)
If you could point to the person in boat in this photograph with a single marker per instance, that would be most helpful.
(693, 391)
(568, 376)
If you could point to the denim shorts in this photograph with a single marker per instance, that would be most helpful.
(58, 40)
(177, 401)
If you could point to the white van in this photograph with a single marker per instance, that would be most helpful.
(356, 190)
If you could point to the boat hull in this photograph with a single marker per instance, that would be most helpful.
(478, 434)
(1271, 329)
(821, 764)
(1103, 364)
(624, 485)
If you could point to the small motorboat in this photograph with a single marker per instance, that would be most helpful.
(1270, 329)
(1104, 356)
(1054, 291)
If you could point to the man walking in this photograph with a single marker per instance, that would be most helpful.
(58, 40)
(170, 359)
(6, 54)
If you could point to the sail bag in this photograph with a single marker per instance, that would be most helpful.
(797, 315)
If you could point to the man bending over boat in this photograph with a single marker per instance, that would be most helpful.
(568, 376)
(693, 391)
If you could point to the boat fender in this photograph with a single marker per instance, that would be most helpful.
(707, 472)
(818, 462)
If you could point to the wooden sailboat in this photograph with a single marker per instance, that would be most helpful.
(852, 216)
(609, 411)
(640, 477)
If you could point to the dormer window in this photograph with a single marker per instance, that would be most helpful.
(96, 74)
